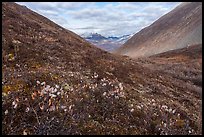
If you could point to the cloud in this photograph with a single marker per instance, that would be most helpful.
(87, 28)
(107, 18)
(48, 12)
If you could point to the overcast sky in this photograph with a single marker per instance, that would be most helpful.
(106, 18)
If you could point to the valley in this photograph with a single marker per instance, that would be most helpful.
(109, 44)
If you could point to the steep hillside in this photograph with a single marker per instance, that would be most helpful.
(184, 64)
(54, 82)
(177, 29)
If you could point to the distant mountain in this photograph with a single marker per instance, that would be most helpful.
(179, 28)
(112, 38)
(96, 36)
(110, 43)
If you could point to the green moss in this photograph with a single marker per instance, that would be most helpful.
(66, 86)
(15, 87)
(11, 57)
(6, 89)
(179, 123)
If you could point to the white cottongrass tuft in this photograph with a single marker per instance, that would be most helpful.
(38, 82)
(6, 112)
(14, 104)
(43, 83)
(165, 124)
(52, 95)
(27, 109)
(104, 84)
(138, 107)
(63, 107)
(120, 86)
(132, 110)
(47, 87)
(95, 75)
(164, 107)
(57, 86)
(104, 93)
(70, 107)
(25, 133)
(54, 90)
(58, 93)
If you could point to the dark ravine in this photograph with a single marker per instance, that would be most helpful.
(55, 82)
(179, 28)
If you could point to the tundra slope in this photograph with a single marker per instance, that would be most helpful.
(184, 64)
(179, 28)
(54, 82)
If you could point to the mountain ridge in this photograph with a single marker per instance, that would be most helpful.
(177, 29)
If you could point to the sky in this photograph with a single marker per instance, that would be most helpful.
(105, 18)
